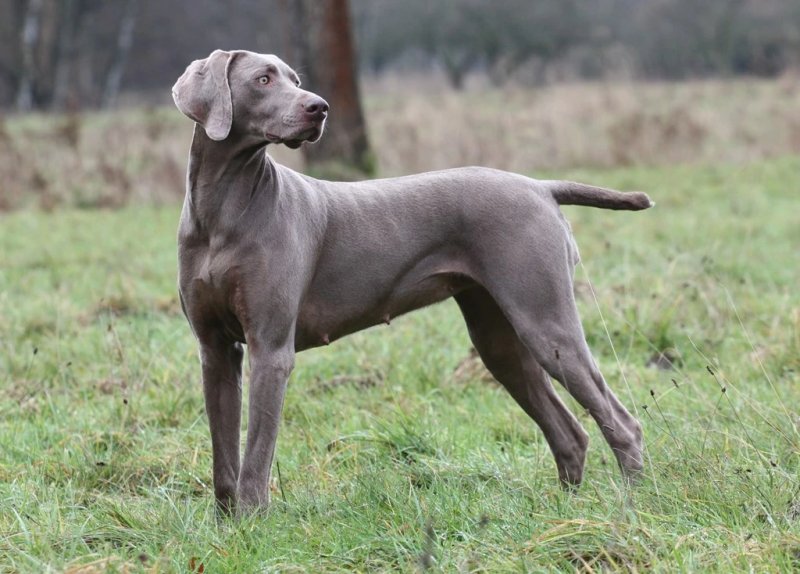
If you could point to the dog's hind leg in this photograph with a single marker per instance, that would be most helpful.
(559, 346)
(514, 367)
(546, 320)
(532, 284)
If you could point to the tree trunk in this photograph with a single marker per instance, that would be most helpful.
(64, 95)
(327, 60)
(30, 39)
(87, 86)
(124, 42)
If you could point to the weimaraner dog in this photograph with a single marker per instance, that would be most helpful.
(283, 262)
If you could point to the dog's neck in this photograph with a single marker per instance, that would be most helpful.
(223, 178)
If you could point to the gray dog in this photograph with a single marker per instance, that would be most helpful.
(283, 262)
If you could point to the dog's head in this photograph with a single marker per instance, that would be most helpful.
(249, 95)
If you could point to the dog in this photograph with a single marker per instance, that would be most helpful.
(282, 262)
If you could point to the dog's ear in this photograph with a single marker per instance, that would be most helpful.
(203, 93)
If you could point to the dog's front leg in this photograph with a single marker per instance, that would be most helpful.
(270, 367)
(222, 387)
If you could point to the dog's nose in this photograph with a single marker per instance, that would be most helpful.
(317, 107)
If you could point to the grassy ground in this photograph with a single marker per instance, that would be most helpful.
(394, 453)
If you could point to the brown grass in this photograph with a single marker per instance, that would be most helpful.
(585, 125)
(139, 156)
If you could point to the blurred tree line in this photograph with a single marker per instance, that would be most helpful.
(666, 39)
(70, 54)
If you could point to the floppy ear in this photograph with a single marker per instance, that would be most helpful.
(203, 93)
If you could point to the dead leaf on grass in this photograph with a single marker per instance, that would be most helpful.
(471, 369)
(666, 360)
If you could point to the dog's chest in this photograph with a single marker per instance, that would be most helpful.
(208, 284)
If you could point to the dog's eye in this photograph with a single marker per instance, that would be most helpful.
(263, 80)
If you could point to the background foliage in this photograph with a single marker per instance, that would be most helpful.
(80, 45)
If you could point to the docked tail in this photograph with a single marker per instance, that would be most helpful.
(571, 193)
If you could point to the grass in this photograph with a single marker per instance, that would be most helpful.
(392, 455)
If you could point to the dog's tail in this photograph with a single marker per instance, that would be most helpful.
(571, 193)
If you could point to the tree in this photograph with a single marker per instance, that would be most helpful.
(70, 54)
(321, 41)
(30, 39)
(64, 92)
(123, 48)
(461, 36)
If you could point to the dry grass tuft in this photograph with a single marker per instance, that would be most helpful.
(471, 369)
(584, 125)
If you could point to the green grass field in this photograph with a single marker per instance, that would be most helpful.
(390, 456)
